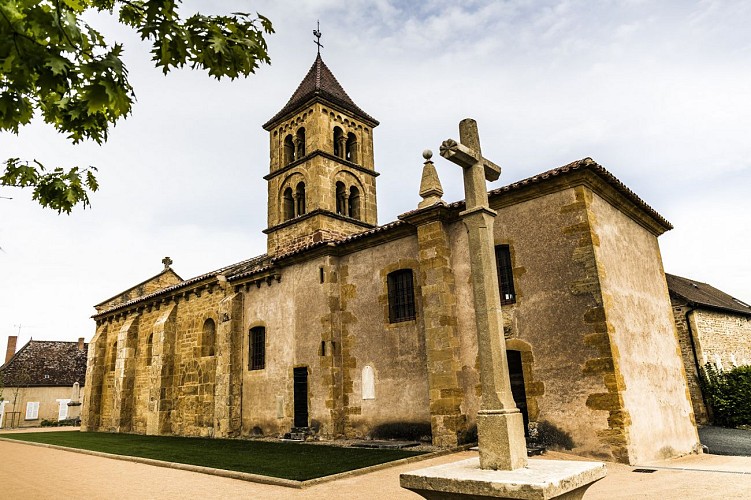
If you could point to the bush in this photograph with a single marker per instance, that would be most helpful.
(728, 394)
(61, 423)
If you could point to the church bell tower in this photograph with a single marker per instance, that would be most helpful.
(322, 178)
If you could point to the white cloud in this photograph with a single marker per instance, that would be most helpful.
(655, 91)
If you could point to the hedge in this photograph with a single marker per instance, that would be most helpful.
(728, 394)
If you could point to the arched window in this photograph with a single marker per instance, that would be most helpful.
(351, 154)
(289, 150)
(339, 142)
(113, 356)
(300, 199)
(257, 348)
(341, 198)
(401, 296)
(354, 203)
(149, 349)
(208, 338)
(288, 204)
(300, 143)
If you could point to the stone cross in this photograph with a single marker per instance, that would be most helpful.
(167, 262)
(500, 427)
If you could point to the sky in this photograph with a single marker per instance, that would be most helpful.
(659, 93)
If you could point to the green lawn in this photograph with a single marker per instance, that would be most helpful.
(296, 461)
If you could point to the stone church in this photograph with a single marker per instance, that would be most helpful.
(346, 327)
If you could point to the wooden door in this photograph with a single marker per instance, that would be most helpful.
(516, 375)
(300, 376)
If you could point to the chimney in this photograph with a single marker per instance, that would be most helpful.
(12, 339)
(80, 343)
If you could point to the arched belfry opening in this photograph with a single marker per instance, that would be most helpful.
(322, 178)
(353, 207)
(341, 198)
(340, 142)
(289, 150)
(300, 199)
(299, 142)
(351, 148)
(288, 204)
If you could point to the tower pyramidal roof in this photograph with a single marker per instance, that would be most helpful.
(320, 83)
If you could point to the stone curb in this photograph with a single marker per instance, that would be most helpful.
(246, 476)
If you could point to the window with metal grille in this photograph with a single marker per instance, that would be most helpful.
(401, 296)
(505, 274)
(257, 348)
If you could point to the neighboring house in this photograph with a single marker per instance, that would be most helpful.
(346, 327)
(713, 327)
(41, 381)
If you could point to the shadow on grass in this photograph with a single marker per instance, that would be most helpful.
(295, 461)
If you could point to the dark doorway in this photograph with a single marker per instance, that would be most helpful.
(301, 396)
(516, 375)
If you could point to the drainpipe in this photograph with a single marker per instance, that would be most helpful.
(696, 356)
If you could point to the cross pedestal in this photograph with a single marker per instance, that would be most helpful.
(502, 470)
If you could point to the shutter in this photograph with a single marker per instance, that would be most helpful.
(32, 410)
(62, 412)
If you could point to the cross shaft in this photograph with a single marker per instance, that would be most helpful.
(499, 423)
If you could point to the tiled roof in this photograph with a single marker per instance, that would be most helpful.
(583, 164)
(245, 267)
(46, 363)
(702, 294)
(341, 241)
(264, 262)
(320, 81)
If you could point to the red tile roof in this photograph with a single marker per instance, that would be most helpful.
(583, 164)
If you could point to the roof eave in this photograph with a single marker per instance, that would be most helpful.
(318, 96)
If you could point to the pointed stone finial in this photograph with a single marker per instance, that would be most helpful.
(167, 263)
(430, 185)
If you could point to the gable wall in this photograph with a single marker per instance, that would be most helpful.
(650, 375)
(555, 322)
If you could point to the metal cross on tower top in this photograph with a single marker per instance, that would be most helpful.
(317, 34)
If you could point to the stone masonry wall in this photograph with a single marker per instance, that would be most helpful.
(448, 423)
(657, 416)
(721, 338)
(689, 362)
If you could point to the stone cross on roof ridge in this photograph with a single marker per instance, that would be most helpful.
(468, 152)
(467, 155)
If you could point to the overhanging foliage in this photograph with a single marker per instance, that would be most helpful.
(55, 65)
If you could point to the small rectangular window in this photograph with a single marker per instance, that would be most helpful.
(505, 274)
(401, 296)
(257, 348)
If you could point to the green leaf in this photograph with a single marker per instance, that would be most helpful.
(52, 61)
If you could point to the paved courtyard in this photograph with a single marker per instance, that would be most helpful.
(33, 472)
